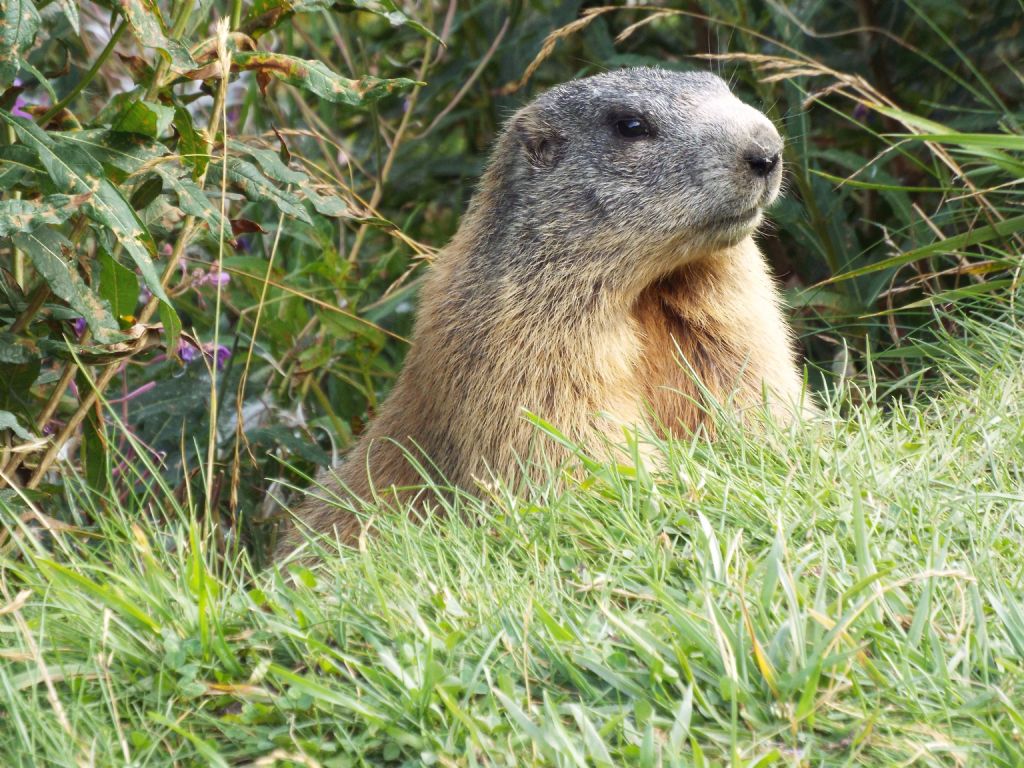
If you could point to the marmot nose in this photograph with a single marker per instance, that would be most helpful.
(760, 163)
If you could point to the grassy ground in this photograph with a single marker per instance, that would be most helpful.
(845, 594)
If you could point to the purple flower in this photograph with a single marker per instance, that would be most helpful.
(187, 351)
(79, 326)
(860, 113)
(21, 102)
(222, 355)
(17, 110)
(213, 277)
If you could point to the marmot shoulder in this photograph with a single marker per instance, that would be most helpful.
(604, 274)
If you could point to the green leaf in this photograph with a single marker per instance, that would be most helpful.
(47, 249)
(315, 77)
(26, 215)
(193, 201)
(147, 25)
(147, 192)
(61, 576)
(389, 10)
(16, 163)
(13, 352)
(9, 421)
(268, 14)
(74, 171)
(18, 378)
(144, 117)
(126, 152)
(991, 140)
(119, 286)
(191, 146)
(271, 164)
(70, 9)
(326, 205)
(94, 452)
(932, 128)
(172, 327)
(20, 24)
(256, 186)
(946, 245)
(284, 436)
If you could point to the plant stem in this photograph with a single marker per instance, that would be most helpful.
(378, 191)
(89, 398)
(18, 254)
(87, 78)
(240, 394)
(39, 295)
(220, 106)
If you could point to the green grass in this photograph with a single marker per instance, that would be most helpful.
(845, 593)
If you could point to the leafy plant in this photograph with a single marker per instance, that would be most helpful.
(114, 210)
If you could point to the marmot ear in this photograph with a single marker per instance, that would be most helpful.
(542, 144)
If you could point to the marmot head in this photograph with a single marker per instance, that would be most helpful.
(636, 157)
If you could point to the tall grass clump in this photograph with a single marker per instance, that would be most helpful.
(846, 592)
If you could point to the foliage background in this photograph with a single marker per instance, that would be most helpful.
(294, 321)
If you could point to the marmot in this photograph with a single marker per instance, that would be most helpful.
(611, 234)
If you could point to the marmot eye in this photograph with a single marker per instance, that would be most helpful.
(632, 128)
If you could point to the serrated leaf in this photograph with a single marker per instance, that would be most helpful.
(255, 186)
(46, 248)
(18, 32)
(326, 205)
(144, 117)
(26, 215)
(271, 164)
(9, 421)
(193, 201)
(75, 171)
(315, 77)
(119, 286)
(148, 27)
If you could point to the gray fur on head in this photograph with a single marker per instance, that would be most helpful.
(698, 179)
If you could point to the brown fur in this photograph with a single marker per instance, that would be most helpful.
(545, 317)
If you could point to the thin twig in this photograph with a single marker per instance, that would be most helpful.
(477, 71)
